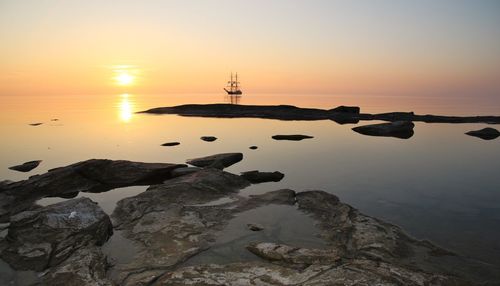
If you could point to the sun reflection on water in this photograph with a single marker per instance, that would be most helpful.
(125, 108)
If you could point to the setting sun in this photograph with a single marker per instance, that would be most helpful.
(124, 78)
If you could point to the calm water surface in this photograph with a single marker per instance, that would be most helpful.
(439, 185)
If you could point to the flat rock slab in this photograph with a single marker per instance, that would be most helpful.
(357, 272)
(169, 144)
(397, 129)
(95, 175)
(27, 166)
(46, 236)
(294, 255)
(256, 177)
(485, 133)
(293, 137)
(219, 161)
(208, 138)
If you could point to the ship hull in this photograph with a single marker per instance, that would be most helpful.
(234, 92)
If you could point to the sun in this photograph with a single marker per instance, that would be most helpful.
(124, 78)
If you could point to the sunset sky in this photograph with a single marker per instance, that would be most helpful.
(432, 47)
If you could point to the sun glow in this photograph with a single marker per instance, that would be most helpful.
(124, 78)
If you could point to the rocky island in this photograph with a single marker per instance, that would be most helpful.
(175, 220)
(341, 114)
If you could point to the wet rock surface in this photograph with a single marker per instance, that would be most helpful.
(93, 176)
(341, 114)
(485, 133)
(292, 137)
(256, 177)
(174, 221)
(253, 147)
(45, 237)
(27, 166)
(219, 161)
(397, 129)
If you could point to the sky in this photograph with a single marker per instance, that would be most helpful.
(426, 47)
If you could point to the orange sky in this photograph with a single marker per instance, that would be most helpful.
(74, 47)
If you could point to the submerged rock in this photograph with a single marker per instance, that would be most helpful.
(45, 237)
(485, 133)
(169, 144)
(294, 137)
(27, 166)
(219, 161)
(398, 129)
(95, 175)
(208, 138)
(256, 177)
(255, 227)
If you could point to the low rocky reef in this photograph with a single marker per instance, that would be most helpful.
(175, 220)
(341, 114)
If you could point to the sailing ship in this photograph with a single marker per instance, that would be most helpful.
(233, 85)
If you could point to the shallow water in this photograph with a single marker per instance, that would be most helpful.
(440, 184)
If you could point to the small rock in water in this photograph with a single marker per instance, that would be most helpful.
(168, 144)
(255, 227)
(293, 137)
(218, 161)
(397, 129)
(253, 147)
(54, 119)
(36, 124)
(255, 177)
(485, 133)
(27, 166)
(208, 138)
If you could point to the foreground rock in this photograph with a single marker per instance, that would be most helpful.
(485, 133)
(294, 255)
(219, 161)
(86, 266)
(356, 272)
(256, 177)
(45, 237)
(166, 225)
(27, 166)
(88, 176)
(169, 223)
(398, 129)
(208, 138)
(341, 114)
(293, 137)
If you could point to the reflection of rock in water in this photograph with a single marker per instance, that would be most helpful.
(233, 99)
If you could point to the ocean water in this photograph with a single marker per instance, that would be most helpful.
(440, 184)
